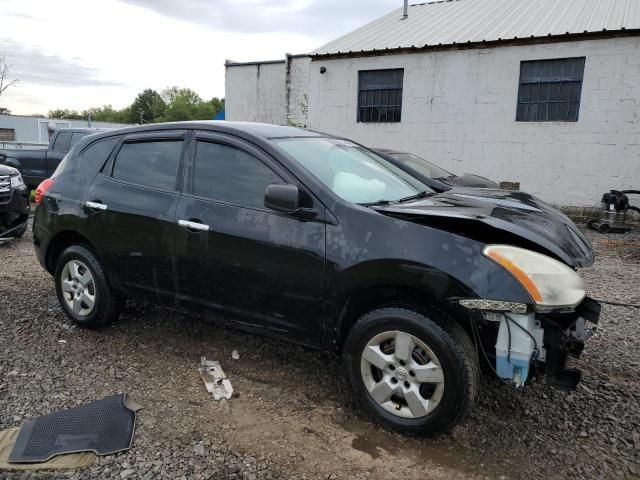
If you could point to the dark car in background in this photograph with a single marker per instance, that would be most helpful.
(14, 204)
(319, 240)
(432, 174)
(37, 164)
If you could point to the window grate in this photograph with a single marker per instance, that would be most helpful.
(550, 90)
(380, 95)
(7, 135)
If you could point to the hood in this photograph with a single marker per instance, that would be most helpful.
(514, 217)
(7, 170)
(470, 180)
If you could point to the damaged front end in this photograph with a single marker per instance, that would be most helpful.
(538, 337)
(565, 335)
(531, 343)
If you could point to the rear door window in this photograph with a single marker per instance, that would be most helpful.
(228, 174)
(97, 153)
(61, 142)
(149, 163)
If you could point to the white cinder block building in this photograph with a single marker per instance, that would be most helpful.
(269, 92)
(542, 92)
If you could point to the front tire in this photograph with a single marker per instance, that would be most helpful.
(83, 291)
(410, 373)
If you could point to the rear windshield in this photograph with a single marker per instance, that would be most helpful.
(352, 172)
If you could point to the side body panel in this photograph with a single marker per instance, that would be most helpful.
(264, 267)
(135, 234)
(367, 249)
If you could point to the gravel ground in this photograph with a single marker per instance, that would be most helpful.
(293, 417)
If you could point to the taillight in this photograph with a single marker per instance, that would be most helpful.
(42, 189)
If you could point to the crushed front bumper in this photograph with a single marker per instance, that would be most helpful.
(565, 335)
(529, 343)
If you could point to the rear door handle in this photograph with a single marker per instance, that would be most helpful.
(96, 206)
(201, 227)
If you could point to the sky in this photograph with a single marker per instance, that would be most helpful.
(78, 54)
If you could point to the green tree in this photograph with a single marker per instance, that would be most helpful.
(66, 114)
(107, 113)
(174, 104)
(182, 104)
(185, 104)
(4, 111)
(147, 107)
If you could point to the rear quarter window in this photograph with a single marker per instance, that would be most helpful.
(97, 153)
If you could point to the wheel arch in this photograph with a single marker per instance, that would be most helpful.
(372, 297)
(59, 243)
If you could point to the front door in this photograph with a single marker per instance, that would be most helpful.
(233, 253)
(131, 208)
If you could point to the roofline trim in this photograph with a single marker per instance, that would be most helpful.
(230, 63)
(567, 37)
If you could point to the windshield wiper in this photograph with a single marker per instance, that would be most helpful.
(417, 196)
(379, 203)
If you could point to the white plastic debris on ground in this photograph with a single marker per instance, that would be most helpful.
(215, 379)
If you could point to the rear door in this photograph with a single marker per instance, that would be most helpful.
(233, 253)
(131, 207)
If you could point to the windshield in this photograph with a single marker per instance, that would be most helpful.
(422, 166)
(352, 172)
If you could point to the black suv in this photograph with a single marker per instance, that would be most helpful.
(321, 241)
(14, 204)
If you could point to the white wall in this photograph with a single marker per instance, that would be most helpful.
(298, 91)
(459, 110)
(255, 93)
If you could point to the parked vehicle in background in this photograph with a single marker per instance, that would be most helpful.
(321, 241)
(433, 175)
(14, 204)
(37, 164)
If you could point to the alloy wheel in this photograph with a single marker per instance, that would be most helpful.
(78, 288)
(402, 374)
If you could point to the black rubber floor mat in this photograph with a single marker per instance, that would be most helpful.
(103, 427)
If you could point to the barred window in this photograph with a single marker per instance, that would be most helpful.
(550, 90)
(7, 135)
(380, 95)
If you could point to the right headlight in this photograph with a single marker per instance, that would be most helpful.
(550, 283)
(16, 181)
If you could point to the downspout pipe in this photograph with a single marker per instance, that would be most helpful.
(405, 12)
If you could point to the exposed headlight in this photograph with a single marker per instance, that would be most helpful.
(550, 283)
(16, 181)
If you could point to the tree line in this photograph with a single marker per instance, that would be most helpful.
(171, 105)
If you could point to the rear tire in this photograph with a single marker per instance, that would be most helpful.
(83, 290)
(410, 373)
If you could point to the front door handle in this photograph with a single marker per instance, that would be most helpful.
(201, 227)
(96, 206)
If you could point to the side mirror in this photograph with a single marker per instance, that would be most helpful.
(282, 198)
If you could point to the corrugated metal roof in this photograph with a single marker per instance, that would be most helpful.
(469, 21)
